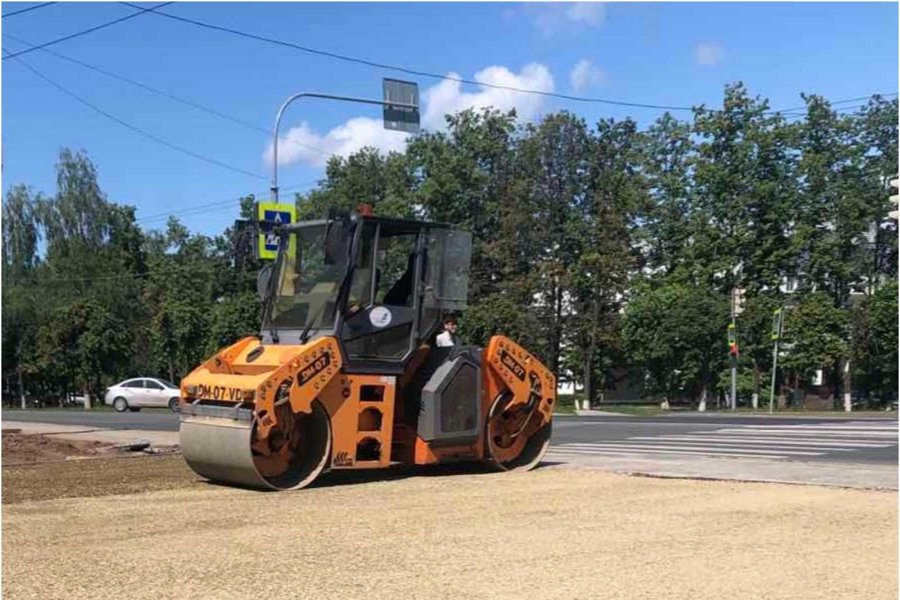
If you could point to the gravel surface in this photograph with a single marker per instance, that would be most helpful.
(552, 533)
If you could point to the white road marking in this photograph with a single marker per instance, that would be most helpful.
(601, 452)
(766, 441)
(664, 446)
(807, 433)
(823, 427)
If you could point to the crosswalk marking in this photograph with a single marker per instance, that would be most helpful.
(554, 453)
(824, 427)
(743, 441)
(669, 446)
(840, 435)
(764, 441)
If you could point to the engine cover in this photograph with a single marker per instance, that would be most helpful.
(451, 400)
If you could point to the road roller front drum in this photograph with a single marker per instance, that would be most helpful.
(225, 448)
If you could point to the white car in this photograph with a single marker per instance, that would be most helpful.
(142, 392)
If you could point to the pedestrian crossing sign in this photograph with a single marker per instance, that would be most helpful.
(271, 215)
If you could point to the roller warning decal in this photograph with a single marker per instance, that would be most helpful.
(512, 364)
(314, 368)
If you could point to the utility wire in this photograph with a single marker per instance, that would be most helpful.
(134, 128)
(149, 218)
(172, 96)
(29, 9)
(86, 31)
(858, 99)
(401, 69)
(216, 204)
(408, 70)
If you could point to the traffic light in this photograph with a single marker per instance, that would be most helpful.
(732, 340)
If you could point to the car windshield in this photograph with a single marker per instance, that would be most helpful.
(308, 277)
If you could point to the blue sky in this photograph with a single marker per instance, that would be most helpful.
(667, 53)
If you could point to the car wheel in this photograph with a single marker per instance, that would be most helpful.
(120, 404)
(173, 404)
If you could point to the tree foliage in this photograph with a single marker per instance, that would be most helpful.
(599, 246)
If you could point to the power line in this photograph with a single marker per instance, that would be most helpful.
(134, 128)
(150, 218)
(840, 110)
(406, 70)
(216, 204)
(172, 96)
(858, 99)
(86, 31)
(29, 9)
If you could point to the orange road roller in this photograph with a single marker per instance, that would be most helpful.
(347, 373)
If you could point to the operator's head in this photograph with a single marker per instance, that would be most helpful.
(450, 323)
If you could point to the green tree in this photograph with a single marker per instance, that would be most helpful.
(675, 333)
(553, 166)
(616, 193)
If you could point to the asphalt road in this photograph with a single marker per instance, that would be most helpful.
(840, 440)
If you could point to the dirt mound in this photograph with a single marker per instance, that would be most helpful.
(130, 474)
(19, 449)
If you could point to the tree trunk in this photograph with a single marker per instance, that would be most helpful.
(21, 385)
(589, 390)
(755, 385)
(845, 385)
(588, 379)
(704, 385)
(556, 331)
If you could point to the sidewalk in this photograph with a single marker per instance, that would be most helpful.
(99, 434)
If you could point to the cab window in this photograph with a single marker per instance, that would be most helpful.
(396, 268)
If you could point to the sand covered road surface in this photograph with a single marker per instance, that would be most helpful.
(553, 533)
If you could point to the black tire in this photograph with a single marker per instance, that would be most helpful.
(120, 404)
(173, 404)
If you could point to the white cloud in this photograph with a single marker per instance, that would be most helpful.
(303, 144)
(708, 54)
(589, 13)
(559, 16)
(585, 74)
(447, 97)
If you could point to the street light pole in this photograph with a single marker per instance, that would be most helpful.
(275, 137)
(774, 368)
(736, 308)
(733, 355)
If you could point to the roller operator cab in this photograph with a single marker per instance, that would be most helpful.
(346, 375)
